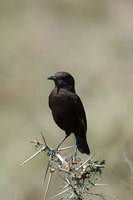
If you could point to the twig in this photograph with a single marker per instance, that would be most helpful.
(64, 179)
(100, 195)
(36, 142)
(63, 170)
(43, 149)
(62, 160)
(74, 190)
(72, 186)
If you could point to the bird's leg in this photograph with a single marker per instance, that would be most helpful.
(75, 153)
(61, 142)
(54, 150)
(73, 157)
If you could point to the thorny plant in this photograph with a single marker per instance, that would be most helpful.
(77, 177)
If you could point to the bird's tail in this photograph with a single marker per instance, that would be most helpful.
(82, 145)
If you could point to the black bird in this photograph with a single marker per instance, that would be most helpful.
(68, 111)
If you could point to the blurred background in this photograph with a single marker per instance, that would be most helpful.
(92, 40)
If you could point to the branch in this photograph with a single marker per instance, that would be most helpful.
(78, 177)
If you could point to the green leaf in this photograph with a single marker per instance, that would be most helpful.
(102, 162)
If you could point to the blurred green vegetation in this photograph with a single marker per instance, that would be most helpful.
(92, 40)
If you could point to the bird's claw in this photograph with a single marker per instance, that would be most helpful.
(53, 151)
(73, 157)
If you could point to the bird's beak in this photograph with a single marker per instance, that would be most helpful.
(52, 78)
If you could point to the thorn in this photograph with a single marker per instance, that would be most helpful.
(46, 171)
(43, 139)
(84, 163)
(60, 193)
(100, 166)
(99, 184)
(71, 195)
(33, 156)
(48, 184)
(65, 148)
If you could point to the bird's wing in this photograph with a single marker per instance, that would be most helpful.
(79, 109)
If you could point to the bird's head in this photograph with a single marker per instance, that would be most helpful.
(63, 80)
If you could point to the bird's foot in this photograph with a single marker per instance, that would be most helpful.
(73, 157)
(53, 151)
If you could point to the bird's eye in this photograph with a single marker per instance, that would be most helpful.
(63, 78)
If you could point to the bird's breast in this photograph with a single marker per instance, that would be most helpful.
(67, 111)
(62, 109)
(59, 103)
